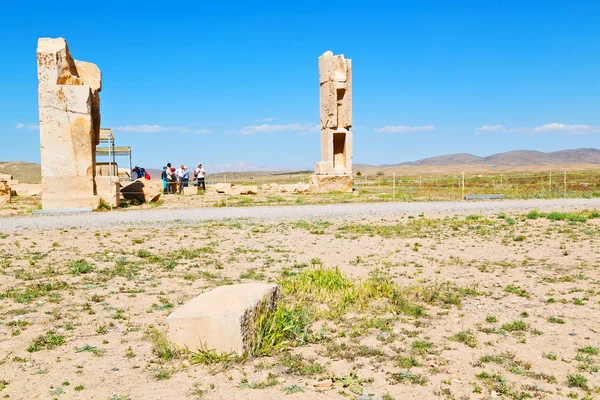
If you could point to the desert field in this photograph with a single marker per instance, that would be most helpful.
(460, 305)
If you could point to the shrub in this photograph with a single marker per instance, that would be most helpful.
(49, 341)
(80, 267)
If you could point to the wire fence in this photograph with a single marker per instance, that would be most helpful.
(432, 187)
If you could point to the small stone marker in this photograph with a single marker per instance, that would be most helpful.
(222, 319)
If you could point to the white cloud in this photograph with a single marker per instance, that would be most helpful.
(268, 128)
(31, 127)
(490, 128)
(553, 127)
(269, 119)
(403, 129)
(151, 128)
(202, 131)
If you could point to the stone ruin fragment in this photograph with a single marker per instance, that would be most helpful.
(69, 108)
(334, 172)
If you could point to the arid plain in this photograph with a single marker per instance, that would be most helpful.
(455, 306)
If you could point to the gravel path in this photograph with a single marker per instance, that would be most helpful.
(274, 213)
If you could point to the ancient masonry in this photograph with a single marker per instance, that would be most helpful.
(69, 106)
(222, 319)
(334, 172)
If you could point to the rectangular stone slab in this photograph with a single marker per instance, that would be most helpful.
(222, 319)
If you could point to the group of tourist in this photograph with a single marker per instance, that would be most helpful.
(139, 172)
(174, 180)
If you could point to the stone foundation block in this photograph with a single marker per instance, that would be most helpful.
(222, 187)
(190, 190)
(331, 183)
(222, 319)
(143, 190)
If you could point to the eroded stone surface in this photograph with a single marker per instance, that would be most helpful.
(222, 319)
(27, 189)
(5, 192)
(69, 110)
(335, 79)
(330, 183)
(143, 190)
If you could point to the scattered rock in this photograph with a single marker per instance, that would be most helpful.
(142, 190)
(324, 383)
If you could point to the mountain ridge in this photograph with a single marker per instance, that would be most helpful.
(512, 158)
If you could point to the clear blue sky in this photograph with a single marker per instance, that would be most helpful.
(226, 82)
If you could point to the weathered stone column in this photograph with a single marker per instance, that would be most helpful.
(69, 107)
(334, 172)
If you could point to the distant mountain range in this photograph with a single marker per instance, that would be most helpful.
(513, 158)
(510, 160)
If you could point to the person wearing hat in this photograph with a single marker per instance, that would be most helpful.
(199, 175)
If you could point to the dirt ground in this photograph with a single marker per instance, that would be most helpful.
(493, 306)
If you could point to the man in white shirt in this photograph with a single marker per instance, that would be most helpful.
(199, 175)
(179, 172)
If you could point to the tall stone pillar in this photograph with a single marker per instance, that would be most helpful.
(69, 107)
(334, 172)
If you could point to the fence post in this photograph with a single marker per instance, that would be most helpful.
(462, 195)
(565, 185)
(550, 183)
(394, 186)
(420, 181)
(225, 178)
(501, 180)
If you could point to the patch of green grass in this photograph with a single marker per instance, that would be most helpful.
(92, 349)
(269, 382)
(491, 319)
(467, 338)
(278, 328)
(422, 346)
(515, 326)
(407, 362)
(292, 389)
(161, 346)
(32, 292)
(79, 267)
(162, 375)
(588, 350)
(578, 381)
(407, 377)
(253, 275)
(556, 320)
(208, 357)
(49, 341)
(516, 290)
(298, 365)
(353, 382)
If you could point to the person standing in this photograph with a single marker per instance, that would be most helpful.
(199, 175)
(179, 174)
(185, 178)
(164, 179)
(170, 178)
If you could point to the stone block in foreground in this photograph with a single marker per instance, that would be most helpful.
(222, 319)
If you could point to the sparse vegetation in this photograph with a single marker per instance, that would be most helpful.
(397, 298)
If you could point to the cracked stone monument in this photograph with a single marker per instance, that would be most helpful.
(222, 319)
(69, 107)
(334, 172)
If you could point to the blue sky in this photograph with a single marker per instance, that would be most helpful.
(226, 82)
